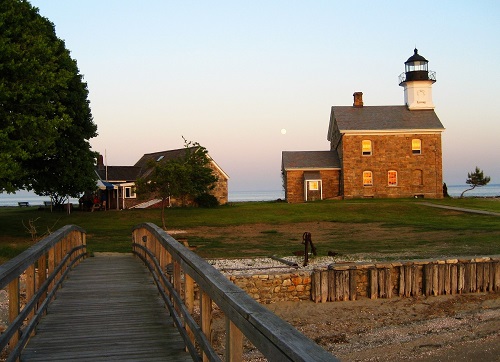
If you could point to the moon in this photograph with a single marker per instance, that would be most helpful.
(283, 131)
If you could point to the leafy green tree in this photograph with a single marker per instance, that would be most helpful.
(181, 178)
(476, 179)
(45, 118)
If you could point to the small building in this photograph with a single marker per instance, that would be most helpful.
(382, 151)
(310, 175)
(118, 183)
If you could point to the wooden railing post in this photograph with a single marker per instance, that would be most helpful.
(14, 309)
(206, 318)
(51, 265)
(189, 301)
(234, 342)
(42, 273)
(30, 287)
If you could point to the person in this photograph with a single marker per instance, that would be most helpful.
(445, 190)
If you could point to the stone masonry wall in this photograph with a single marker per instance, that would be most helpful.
(269, 288)
(393, 152)
(295, 185)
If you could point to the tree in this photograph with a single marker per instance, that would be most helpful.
(182, 178)
(45, 118)
(476, 179)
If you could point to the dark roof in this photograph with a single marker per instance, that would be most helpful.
(416, 57)
(310, 160)
(384, 118)
(167, 155)
(159, 156)
(119, 173)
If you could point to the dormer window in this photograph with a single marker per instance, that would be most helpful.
(416, 146)
(366, 146)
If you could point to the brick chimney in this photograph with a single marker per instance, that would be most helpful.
(100, 162)
(358, 99)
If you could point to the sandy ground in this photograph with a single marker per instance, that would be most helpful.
(444, 328)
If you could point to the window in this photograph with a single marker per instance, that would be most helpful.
(129, 192)
(313, 185)
(367, 178)
(392, 178)
(366, 146)
(416, 146)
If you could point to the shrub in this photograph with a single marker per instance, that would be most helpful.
(207, 201)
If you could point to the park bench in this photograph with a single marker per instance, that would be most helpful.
(23, 203)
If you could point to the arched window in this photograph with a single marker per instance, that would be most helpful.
(392, 178)
(366, 146)
(367, 178)
(416, 146)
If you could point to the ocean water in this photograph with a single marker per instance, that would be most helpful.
(31, 197)
(242, 196)
(482, 191)
(246, 196)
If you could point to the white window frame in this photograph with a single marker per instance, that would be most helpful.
(393, 184)
(131, 192)
(370, 176)
(416, 149)
(366, 153)
(306, 188)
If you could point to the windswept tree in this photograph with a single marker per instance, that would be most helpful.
(476, 179)
(45, 117)
(182, 178)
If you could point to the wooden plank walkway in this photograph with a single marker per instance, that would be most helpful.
(108, 310)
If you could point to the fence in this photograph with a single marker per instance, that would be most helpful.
(43, 267)
(176, 270)
(413, 278)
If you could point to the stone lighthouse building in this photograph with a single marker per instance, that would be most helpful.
(376, 151)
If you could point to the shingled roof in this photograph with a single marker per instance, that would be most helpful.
(383, 118)
(310, 160)
(160, 156)
(118, 173)
(168, 155)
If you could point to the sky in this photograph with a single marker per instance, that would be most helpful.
(233, 75)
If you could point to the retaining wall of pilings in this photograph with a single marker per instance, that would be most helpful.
(350, 281)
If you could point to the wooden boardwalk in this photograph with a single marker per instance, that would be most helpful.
(107, 310)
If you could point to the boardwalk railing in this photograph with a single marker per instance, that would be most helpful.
(43, 267)
(176, 270)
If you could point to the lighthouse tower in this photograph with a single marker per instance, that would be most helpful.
(417, 82)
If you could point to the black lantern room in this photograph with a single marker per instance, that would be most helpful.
(416, 68)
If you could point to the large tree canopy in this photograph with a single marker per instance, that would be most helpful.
(45, 118)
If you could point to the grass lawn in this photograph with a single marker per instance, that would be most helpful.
(381, 229)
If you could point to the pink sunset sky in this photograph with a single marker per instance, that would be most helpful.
(232, 75)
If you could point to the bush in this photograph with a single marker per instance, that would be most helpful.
(207, 200)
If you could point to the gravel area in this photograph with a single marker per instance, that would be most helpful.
(246, 266)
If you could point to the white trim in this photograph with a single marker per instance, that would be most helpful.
(218, 167)
(392, 131)
(313, 169)
(320, 183)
